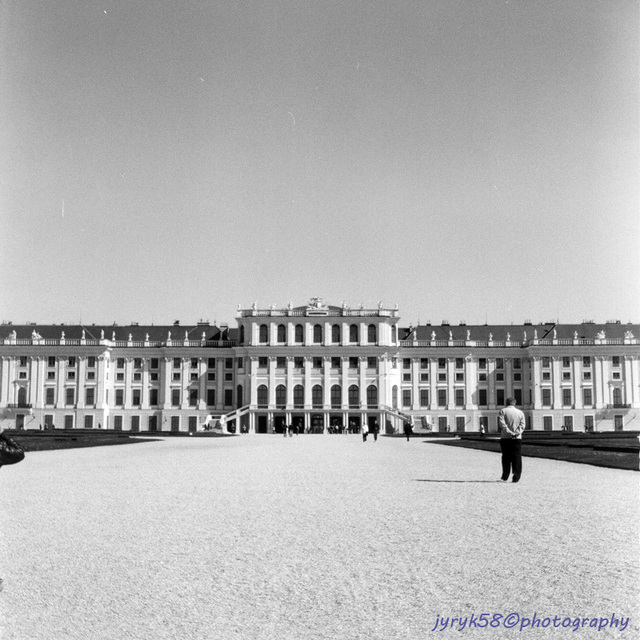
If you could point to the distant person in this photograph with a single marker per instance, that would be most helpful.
(407, 429)
(374, 429)
(365, 432)
(511, 421)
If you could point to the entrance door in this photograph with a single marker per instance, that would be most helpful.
(354, 423)
(20, 421)
(279, 424)
(443, 425)
(317, 423)
(373, 424)
(484, 424)
(262, 424)
(153, 423)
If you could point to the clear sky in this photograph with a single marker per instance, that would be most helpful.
(470, 160)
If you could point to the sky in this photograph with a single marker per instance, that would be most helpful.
(470, 161)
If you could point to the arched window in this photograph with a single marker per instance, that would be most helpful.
(372, 396)
(263, 396)
(353, 333)
(264, 333)
(372, 334)
(298, 396)
(335, 334)
(336, 396)
(281, 396)
(242, 334)
(394, 334)
(282, 333)
(617, 396)
(394, 397)
(317, 333)
(299, 337)
(354, 396)
(239, 395)
(316, 396)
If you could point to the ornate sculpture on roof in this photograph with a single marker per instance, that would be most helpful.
(13, 335)
(289, 305)
(468, 334)
(113, 335)
(491, 337)
(601, 335)
(450, 335)
(35, 335)
(317, 303)
(130, 337)
(379, 304)
(575, 335)
(254, 306)
(535, 334)
(628, 335)
(555, 334)
(525, 336)
(508, 337)
(101, 334)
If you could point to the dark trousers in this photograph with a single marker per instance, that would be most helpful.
(511, 457)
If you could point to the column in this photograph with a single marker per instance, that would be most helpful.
(470, 381)
(536, 378)
(165, 382)
(576, 379)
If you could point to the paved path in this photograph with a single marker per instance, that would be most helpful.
(262, 537)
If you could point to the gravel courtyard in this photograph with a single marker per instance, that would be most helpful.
(310, 537)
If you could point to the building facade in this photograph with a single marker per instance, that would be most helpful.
(322, 368)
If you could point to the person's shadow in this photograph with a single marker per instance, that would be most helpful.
(429, 480)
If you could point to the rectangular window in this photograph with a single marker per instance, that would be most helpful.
(120, 363)
(500, 397)
(442, 397)
(137, 377)
(353, 363)
(137, 363)
(120, 377)
(424, 397)
(70, 397)
(459, 377)
(566, 362)
(68, 422)
(442, 363)
(547, 423)
(91, 362)
(566, 375)
(281, 362)
(52, 361)
(586, 375)
(228, 397)
(442, 377)
(137, 395)
(72, 361)
(424, 363)
(459, 396)
(153, 397)
(499, 377)
(175, 397)
(517, 363)
(406, 377)
(460, 421)
(546, 375)
(499, 363)
(586, 362)
(587, 397)
(50, 395)
(176, 376)
(193, 377)
(317, 363)
(211, 397)
(335, 363)
(372, 363)
(90, 396)
(193, 397)
(546, 397)
(616, 375)
(298, 363)
(566, 398)
(175, 423)
(91, 375)
(406, 363)
(615, 361)
(588, 423)
(177, 363)
(211, 363)
(262, 362)
(117, 423)
(135, 423)
(482, 377)
(193, 424)
(194, 363)
(88, 422)
(406, 397)
(240, 363)
(482, 363)
(211, 375)
(517, 377)
(71, 375)
(228, 363)
(119, 397)
(618, 423)
(424, 377)
(546, 362)
(459, 363)
(517, 396)
(482, 397)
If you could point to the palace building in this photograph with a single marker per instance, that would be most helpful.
(322, 368)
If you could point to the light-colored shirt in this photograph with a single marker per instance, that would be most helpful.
(511, 421)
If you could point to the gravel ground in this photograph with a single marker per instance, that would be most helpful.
(311, 537)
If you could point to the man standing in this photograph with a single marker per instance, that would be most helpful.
(511, 421)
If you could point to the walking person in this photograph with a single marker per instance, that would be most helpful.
(407, 429)
(375, 428)
(365, 432)
(511, 421)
